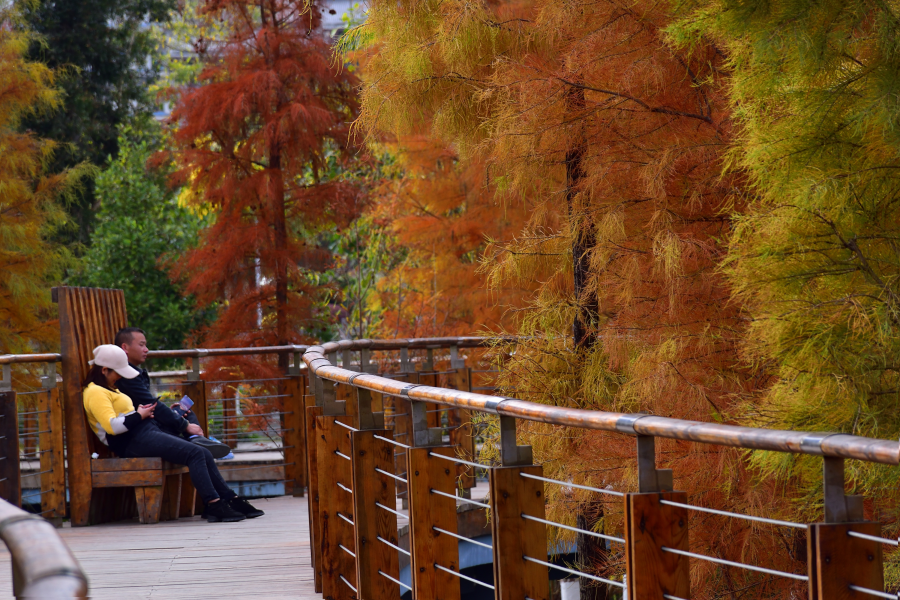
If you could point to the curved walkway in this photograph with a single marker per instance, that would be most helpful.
(192, 559)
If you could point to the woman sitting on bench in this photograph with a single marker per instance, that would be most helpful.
(133, 433)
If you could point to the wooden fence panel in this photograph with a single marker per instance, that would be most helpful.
(336, 508)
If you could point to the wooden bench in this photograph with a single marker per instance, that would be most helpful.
(107, 488)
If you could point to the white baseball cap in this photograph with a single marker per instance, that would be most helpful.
(113, 357)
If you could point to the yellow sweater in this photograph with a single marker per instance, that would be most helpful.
(107, 410)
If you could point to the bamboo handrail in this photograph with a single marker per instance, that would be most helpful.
(43, 566)
(10, 359)
(796, 442)
(397, 344)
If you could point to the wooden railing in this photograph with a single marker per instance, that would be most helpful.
(255, 416)
(354, 479)
(42, 565)
(376, 451)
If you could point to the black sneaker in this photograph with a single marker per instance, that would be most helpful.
(218, 449)
(245, 508)
(221, 511)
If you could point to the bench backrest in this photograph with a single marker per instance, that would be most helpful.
(88, 317)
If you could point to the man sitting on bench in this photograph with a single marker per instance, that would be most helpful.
(131, 432)
(134, 342)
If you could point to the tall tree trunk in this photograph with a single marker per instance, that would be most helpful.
(279, 222)
(592, 554)
(583, 238)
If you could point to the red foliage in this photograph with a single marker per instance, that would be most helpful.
(253, 144)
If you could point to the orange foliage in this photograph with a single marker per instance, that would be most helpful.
(444, 213)
(621, 138)
(255, 144)
(29, 207)
(635, 131)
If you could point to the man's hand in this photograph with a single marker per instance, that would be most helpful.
(146, 410)
(194, 429)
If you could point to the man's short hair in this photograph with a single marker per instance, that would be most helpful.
(126, 334)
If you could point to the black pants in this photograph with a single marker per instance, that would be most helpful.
(149, 442)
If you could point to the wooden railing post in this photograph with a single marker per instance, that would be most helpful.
(197, 390)
(401, 420)
(336, 510)
(294, 430)
(650, 526)
(320, 389)
(428, 511)
(31, 429)
(365, 361)
(373, 556)
(513, 497)
(53, 468)
(460, 422)
(10, 476)
(838, 560)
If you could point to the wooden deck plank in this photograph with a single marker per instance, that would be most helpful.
(189, 558)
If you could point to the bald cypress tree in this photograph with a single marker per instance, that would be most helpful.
(816, 258)
(31, 211)
(257, 144)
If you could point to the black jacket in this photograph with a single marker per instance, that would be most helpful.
(138, 389)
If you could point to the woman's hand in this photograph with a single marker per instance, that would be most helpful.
(146, 410)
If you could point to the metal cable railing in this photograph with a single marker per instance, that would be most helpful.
(394, 546)
(734, 515)
(573, 572)
(602, 536)
(874, 593)
(399, 387)
(391, 510)
(647, 426)
(873, 538)
(397, 477)
(460, 461)
(462, 538)
(459, 498)
(466, 577)
(349, 585)
(571, 485)
(239, 398)
(397, 581)
(390, 441)
(729, 563)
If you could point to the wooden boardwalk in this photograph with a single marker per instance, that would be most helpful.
(266, 557)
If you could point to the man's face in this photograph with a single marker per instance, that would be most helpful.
(136, 349)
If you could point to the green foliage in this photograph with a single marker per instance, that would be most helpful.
(816, 259)
(363, 253)
(141, 226)
(106, 54)
(182, 40)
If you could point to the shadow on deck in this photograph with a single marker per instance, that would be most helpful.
(266, 557)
